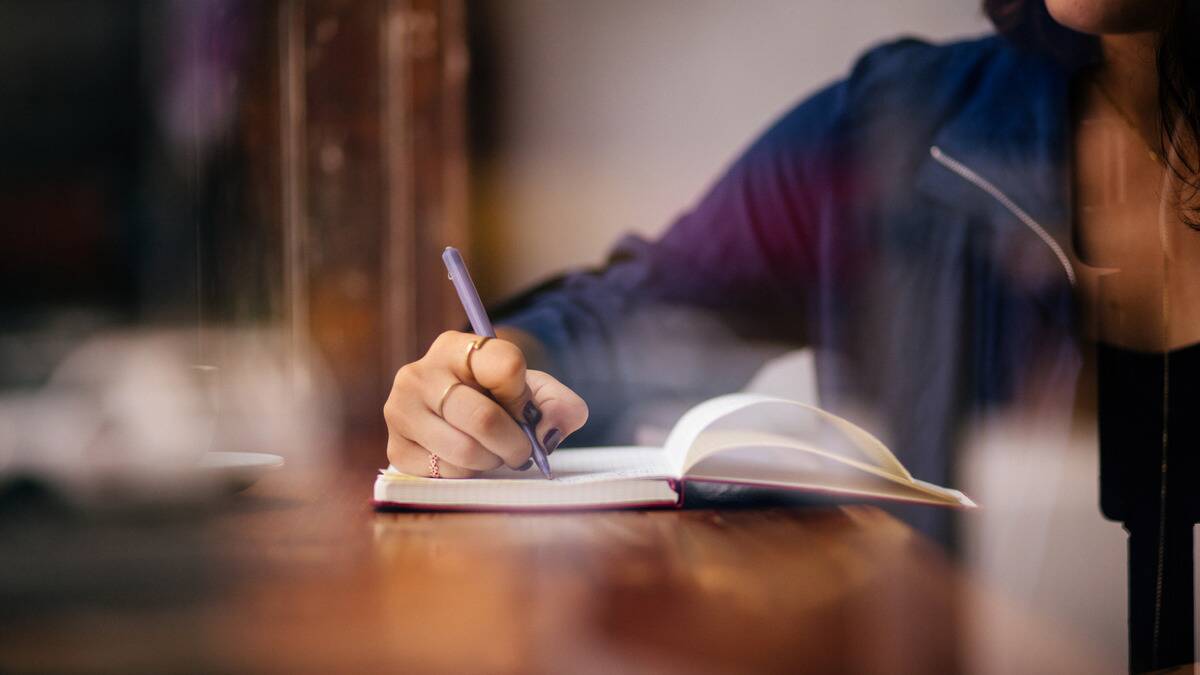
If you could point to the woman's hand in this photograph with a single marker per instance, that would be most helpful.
(458, 402)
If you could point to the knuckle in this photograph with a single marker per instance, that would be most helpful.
(508, 361)
(394, 419)
(489, 419)
(444, 340)
(460, 450)
(393, 408)
(396, 450)
(399, 409)
(486, 462)
(406, 377)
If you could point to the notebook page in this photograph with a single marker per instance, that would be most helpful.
(785, 453)
(591, 465)
(811, 423)
(577, 465)
(582, 477)
(784, 466)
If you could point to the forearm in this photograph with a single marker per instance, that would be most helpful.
(695, 312)
(624, 349)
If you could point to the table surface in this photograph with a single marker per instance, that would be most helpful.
(299, 575)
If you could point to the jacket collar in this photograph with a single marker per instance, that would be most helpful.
(1014, 131)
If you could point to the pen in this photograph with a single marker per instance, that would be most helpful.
(482, 325)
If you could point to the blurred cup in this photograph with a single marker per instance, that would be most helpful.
(137, 417)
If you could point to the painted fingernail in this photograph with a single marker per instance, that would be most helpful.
(551, 440)
(525, 467)
(532, 414)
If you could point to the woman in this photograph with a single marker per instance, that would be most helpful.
(943, 173)
(941, 227)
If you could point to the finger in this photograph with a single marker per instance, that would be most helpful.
(436, 435)
(497, 365)
(563, 411)
(484, 420)
(412, 459)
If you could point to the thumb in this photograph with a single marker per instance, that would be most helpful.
(560, 412)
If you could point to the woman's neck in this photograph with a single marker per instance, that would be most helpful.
(1130, 77)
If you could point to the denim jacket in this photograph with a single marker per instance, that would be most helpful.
(909, 223)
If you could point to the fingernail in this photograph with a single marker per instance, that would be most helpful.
(551, 440)
(532, 414)
(525, 467)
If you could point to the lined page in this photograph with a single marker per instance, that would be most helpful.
(582, 477)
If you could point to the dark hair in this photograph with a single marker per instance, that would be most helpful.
(1027, 24)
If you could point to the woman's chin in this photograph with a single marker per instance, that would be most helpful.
(1109, 17)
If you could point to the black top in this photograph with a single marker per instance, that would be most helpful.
(1131, 395)
(1149, 416)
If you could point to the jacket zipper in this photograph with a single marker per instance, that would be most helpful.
(984, 184)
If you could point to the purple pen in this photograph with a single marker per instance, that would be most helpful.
(482, 325)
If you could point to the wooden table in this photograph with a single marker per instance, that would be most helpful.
(299, 575)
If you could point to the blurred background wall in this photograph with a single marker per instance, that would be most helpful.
(596, 118)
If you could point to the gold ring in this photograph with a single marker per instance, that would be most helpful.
(475, 345)
(435, 470)
(445, 394)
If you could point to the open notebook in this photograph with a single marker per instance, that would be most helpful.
(745, 439)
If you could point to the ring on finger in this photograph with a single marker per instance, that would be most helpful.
(435, 469)
(474, 346)
(441, 404)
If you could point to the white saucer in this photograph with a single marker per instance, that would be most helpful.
(239, 470)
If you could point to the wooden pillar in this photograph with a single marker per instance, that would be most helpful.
(373, 184)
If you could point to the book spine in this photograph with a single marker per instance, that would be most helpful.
(677, 486)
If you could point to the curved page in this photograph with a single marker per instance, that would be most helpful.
(755, 414)
(776, 461)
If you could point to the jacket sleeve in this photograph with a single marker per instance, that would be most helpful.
(696, 312)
